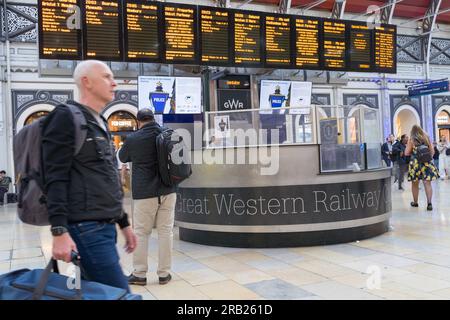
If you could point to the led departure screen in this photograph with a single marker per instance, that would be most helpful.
(334, 44)
(214, 36)
(278, 40)
(141, 30)
(103, 32)
(385, 49)
(247, 38)
(180, 37)
(360, 56)
(160, 32)
(58, 36)
(307, 42)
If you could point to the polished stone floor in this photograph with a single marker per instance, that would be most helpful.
(411, 261)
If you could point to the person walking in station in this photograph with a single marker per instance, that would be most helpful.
(421, 167)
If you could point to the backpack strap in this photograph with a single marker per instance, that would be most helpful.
(80, 126)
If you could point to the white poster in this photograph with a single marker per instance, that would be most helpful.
(222, 126)
(300, 97)
(274, 94)
(157, 94)
(188, 97)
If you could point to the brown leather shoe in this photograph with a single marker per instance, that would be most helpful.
(165, 280)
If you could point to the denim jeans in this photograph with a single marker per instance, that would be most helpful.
(96, 244)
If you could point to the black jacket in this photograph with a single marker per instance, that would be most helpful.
(139, 148)
(82, 187)
(399, 149)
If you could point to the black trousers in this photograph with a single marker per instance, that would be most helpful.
(2, 194)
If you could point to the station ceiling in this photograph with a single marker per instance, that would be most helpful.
(407, 9)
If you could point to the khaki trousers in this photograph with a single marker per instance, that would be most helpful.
(145, 213)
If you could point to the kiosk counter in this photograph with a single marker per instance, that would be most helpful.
(310, 189)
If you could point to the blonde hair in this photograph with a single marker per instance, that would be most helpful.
(419, 136)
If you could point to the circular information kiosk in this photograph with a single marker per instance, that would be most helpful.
(314, 178)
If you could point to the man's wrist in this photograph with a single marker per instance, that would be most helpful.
(58, 231)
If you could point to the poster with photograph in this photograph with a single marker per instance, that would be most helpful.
(188, 95)
(300, 97)
(274, 94)
(222, 127)
(157, 93)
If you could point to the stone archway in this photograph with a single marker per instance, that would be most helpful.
(404, 119)
(30, 111)
(442, 122)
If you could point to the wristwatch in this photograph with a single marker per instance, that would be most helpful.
(57, 231)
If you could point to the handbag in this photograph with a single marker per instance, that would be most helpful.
(447, 152)
(423, 153)
(43, 284)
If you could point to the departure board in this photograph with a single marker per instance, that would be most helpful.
(180, 33)
(307, 42)
(58, 36)
(334, 45)
(142, 32)
(360, 57)
(247, 38)
(103, 31)
(385, 49)
(174, 33)
(214, 36)
(278, 40)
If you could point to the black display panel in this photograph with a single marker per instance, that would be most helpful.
(334, 45)
(308, 42)
(361, 47)
(385, 49)
(142, 30)
(214, 36)
(59, 35)
(159, 32)
(248, 38)
(103, 33)
(277, 30)
(180, 33)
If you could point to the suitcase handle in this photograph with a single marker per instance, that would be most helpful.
(53, 265)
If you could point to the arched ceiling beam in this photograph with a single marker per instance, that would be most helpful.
(223, 3)
(284, 6)
(338, 9)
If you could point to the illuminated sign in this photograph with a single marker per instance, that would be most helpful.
(214, 36)
(278, 40)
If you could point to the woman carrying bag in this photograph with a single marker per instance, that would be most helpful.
(421, 166)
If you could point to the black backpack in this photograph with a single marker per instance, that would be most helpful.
(173, 162)
(423, 153)
(27, 143)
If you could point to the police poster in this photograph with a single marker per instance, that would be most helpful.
(274, 94)
(157, 93)
(188, 95)
(300, 97)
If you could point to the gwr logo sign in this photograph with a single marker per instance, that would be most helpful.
(233, 99)
(233, 105)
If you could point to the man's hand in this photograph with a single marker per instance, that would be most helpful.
(62, 247)
(130, 238)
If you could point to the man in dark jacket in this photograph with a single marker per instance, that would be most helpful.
(84, 195)
(402, 159)
(153, 201)
(386, 150)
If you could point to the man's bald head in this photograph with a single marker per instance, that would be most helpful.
(96, 84)
(86, 69)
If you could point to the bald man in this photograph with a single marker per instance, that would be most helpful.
(84, 194)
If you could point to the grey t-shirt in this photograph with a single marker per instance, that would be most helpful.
(97, 117)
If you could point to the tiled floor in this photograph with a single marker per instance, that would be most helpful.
(412, 261)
